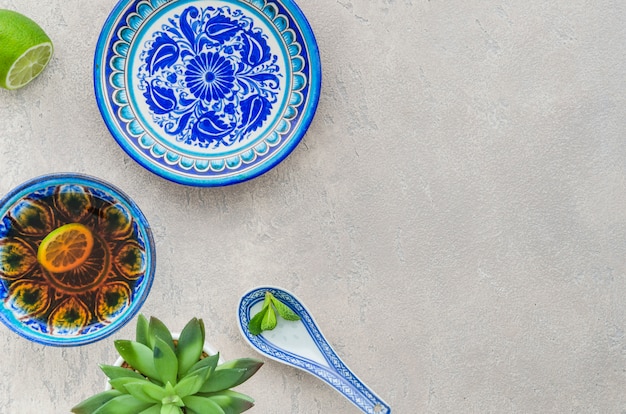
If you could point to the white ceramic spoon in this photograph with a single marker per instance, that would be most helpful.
(302, 345)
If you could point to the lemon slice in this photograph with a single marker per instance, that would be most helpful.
(25, 49)
(65, 248)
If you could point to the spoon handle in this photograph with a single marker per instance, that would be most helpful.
(348, 384)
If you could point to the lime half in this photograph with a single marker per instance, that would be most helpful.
(25, 49)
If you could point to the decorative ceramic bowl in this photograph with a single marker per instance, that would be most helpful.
(88, 299)
(207, 92)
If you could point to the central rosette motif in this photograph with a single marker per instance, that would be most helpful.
(209, 77)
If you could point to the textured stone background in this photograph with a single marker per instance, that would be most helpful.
(454, 218)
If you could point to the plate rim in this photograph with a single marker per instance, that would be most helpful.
(314, 83)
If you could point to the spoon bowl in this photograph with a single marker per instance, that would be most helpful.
(301, 344)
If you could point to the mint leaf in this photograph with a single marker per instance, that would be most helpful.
(267, 300)
(284, 311)
(269, 320)
(265, 319)
(254, 326)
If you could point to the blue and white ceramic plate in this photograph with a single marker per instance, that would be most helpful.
(87, 299)
(207, 92)
(301, 344)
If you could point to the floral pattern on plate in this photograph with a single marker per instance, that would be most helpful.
(207, 92)
(210, 77)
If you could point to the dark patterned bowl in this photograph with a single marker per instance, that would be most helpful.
(207, 92)
(96, 296)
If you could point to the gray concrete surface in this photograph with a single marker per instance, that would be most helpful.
(455, 217)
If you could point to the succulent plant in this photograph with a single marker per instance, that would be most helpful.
(162, 375)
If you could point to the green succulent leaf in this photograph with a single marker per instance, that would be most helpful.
(165, 362)
(174, 400)
(141, 331)
(191, 383)
(222, 379)
(113, 372)
(94, 402)
(155, 409)
(157, 329)
(190, 344)
(121, 382)
(146, 391)
(232, 402)
(188, 386)
(139, 356)
(157, 392)
(123, 404)
(283, 310)
(202, 405)
(235, 394)
(269, 320)
(171, 409)
(255, 324)
(246, 366)
(210, 361)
